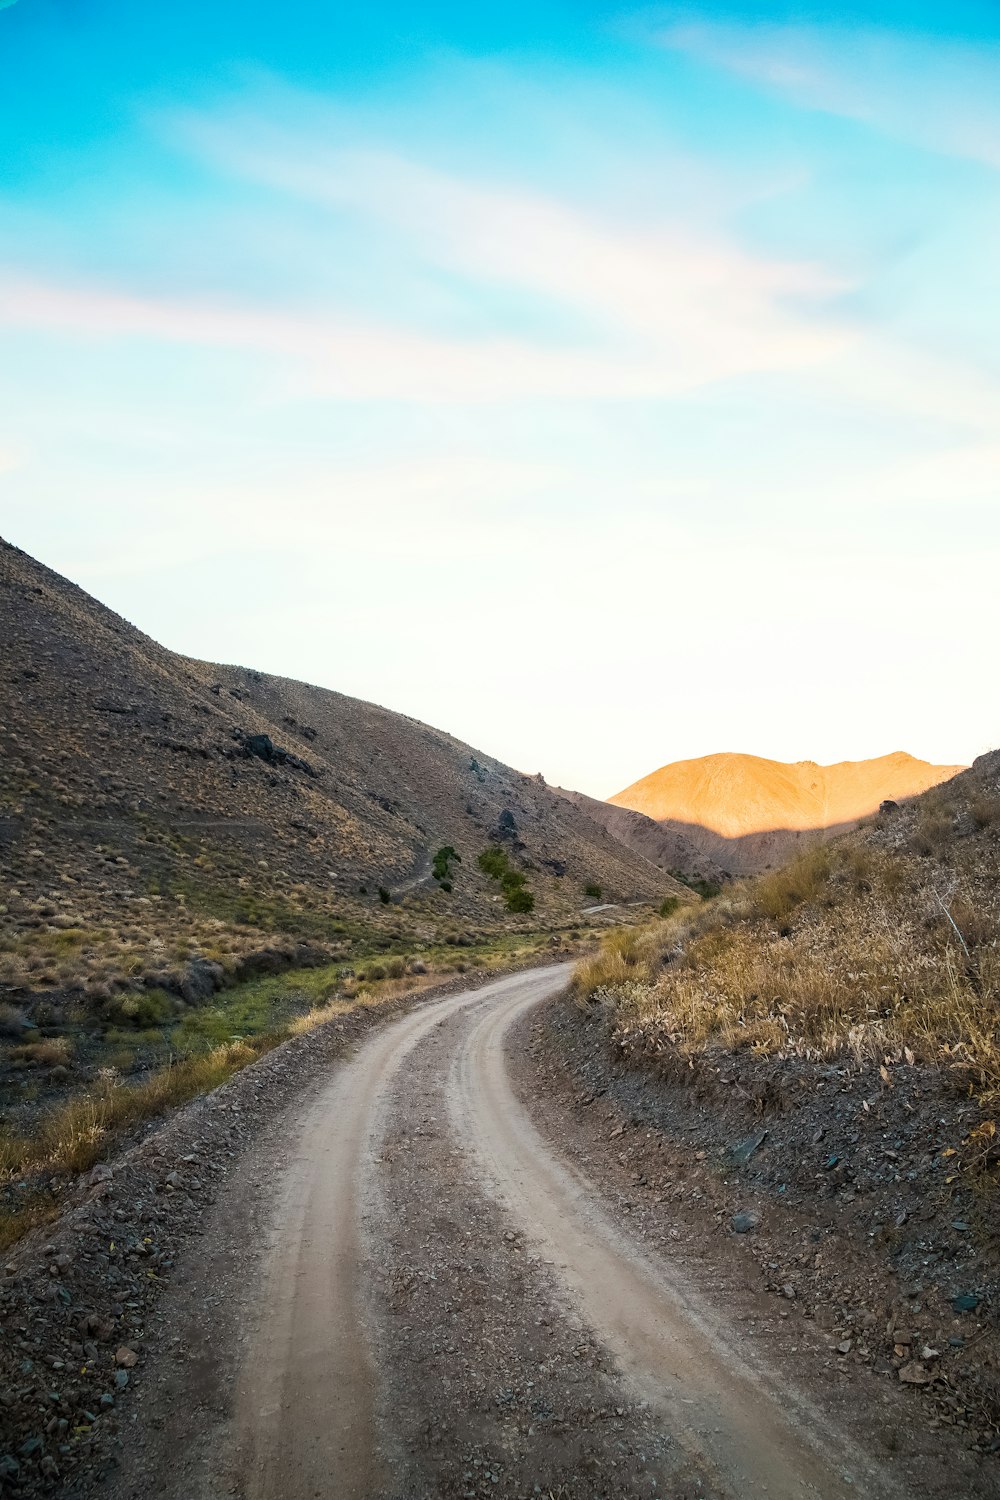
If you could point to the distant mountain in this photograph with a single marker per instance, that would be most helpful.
(747, 813)
(142, 790)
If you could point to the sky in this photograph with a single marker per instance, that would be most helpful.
(605, 386)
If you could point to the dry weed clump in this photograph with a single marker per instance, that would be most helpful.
(882, 944)
(626, 956)
(73, 1136)
(53, 1052)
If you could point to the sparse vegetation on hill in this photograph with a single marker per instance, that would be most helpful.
(170, 829)
(882, 944)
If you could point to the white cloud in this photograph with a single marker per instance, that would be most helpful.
(694, 292)
(684, 318)
(935, 92)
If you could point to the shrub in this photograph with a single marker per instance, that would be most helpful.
(625, 955)
(384, 895)
(12, 1020)
(513, 882)
(594, 891)
(985, 811)
(141, 1009)
(493, 862)
(519, 899)
(441, 867)
(669, 905)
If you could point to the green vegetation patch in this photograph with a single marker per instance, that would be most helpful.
(495, 863)
(443, 864)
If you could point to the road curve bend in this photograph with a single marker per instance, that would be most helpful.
(311, 1420)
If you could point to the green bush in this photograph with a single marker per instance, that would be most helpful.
(513, 882)
(441, 867)
(519, 899)
(705, 888)
(384, 896)
(493, 862)
(593, 891)
(142, 1009)
(669, 905)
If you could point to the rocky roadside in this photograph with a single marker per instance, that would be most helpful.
(873, 1284)
(81, 1302)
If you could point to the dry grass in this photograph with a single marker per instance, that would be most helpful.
(626, 956)
(881, 944)
(72, 1137)
(53, 1052)
(15, 1222)
(76, 1134)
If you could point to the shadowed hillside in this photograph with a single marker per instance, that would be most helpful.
(663, 845)
(747, 813)
(158, 813)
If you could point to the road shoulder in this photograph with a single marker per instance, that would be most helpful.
(794, 1286)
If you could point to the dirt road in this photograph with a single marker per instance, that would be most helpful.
(448, 1309)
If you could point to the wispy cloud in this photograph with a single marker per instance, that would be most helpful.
(650, 312)
(939, 94)
(673, 283)
(346, 359)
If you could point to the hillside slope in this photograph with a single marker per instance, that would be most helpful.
(154, 807)
(836, 1021)
(662, 845)
(748, 813)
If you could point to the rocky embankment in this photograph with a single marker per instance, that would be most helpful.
(839, 1198)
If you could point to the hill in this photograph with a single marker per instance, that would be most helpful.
(162, 820)
(747, 813)
(662, 845)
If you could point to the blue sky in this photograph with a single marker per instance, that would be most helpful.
(605, 386)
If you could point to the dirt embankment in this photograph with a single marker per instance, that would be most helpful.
(827, 1209)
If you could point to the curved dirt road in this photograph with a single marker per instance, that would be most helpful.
(448, 1309)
